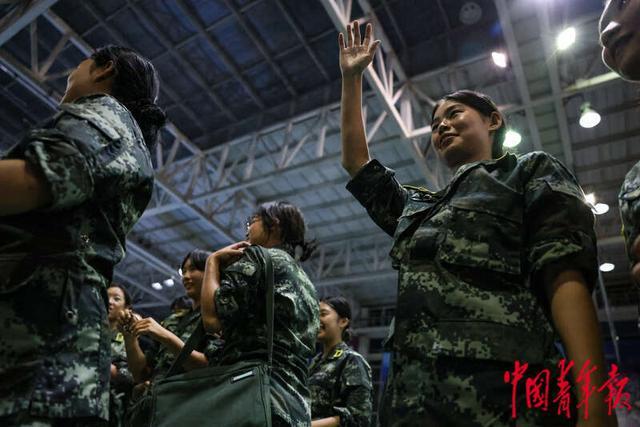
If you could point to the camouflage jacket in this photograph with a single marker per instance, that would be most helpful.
(57, 261)
(240, 305)
(182, 324)
(473, 258)
(340, 384)
(121, 385)
(629, 201)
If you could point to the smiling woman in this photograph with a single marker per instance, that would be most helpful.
(620, 39)
(493, 268)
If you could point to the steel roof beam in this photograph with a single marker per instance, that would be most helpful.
(554, 77)
(521, 80)
(222, 54)
(260, 46)
(23, 14)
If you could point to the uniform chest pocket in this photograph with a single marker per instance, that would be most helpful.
(484, 234)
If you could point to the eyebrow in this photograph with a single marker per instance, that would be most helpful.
(449, 108)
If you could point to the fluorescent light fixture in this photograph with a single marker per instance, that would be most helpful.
(566, 38)
(500, 59)
(512, 139)
(606, 267)
(157, 286)
(590, 198)
(169, 282)
(588, 117)
(601, 208)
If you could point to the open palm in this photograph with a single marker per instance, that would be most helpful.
(356, 54)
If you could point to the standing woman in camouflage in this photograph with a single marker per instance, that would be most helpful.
(620, 39)
(121, 378)
(69, 194)
(492, 268)
(339, 377)
(234, 300)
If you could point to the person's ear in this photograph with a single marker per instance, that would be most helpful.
(103, 72)
(495, 121)
(343, 322)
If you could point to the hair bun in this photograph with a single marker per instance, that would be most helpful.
(153, 114)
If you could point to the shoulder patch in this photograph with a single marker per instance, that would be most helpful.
(93, 117)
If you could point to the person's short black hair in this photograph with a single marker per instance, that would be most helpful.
(198, 258)
(343, 308)
(485, 106)
(291, 223)
(127, 297)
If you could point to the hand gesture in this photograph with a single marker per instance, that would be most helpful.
(355, 56)
(229, 254)
(148, 326)
(126, 319)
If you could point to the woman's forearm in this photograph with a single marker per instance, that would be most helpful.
(326, 422)
(210, 284)
(576, 321)
(22, 188)
(136, 360)
(355, 152)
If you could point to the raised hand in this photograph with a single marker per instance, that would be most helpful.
(356, 54)
(229, 254)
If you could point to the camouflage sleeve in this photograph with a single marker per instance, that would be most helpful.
(65, 169)
(355, 392)
(213, 349)
(377, 189)
(629, 201)
(559, 224)
(238, 289)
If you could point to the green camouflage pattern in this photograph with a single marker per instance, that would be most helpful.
(240, 305)
(56, 262)
(182, 323)
(340, 385)
(121, 385)
(629, 201)
(472, 260)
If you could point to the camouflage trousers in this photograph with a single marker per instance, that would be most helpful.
(454, 392)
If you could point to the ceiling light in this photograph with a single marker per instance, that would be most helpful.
(590, 198)
(601, 208)
(606, 267)
(157, 286)
(511, 139)
(169, 282)
(588, 117)
(500, 59)
(180, 272)
(566, 38)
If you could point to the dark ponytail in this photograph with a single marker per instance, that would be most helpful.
(292, 228)
(343, 308)
(136, 86)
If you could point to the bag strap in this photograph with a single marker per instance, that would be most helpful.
(199, 333)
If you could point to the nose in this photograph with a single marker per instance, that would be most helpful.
(609, 32)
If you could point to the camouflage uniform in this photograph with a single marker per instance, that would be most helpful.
(473, 259)
(240, 305)
(57, 261)
(121, 385)
(182, 324)
(340, 385)
(629, 200)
